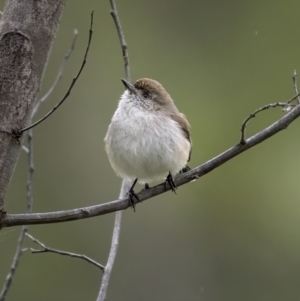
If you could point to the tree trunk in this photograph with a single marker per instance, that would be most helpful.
(27, 32)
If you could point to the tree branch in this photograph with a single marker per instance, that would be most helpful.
(115, 16)
(19, 249)
(58, 76)
(286, 108)
(114, 246)
(19, 132)
(46, 249)
(295, 85)
(13, 268)
(10, 220)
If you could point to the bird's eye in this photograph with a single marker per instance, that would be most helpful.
(146, 95)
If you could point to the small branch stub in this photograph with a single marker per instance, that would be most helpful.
(284, 105)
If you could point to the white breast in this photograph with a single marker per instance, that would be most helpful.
(145, 145)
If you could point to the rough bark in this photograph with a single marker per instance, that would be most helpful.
(27, 32)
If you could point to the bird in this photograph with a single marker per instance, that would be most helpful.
(148, 138)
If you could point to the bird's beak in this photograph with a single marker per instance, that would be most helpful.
(130, 87)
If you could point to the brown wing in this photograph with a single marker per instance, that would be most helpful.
(185, 126)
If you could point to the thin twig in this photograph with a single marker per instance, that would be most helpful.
(115, 16)
(10, 220)
(10, 275)
(114, 246)
(295, 85)
(58, 76)
(51, 250)
(125, 184)
(19, 249)
(252, 115)
(30, 172)
(72, 84)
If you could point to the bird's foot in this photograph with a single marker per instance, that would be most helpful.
(132, 195)
(171, 182)
(146, 186)
(184, 169)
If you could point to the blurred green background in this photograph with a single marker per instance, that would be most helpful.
(231, 235)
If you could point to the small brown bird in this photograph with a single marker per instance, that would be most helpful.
(148, 139)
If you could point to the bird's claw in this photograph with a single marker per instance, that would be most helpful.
(133, 195)
(171, 182)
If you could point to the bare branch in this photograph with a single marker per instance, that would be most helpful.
(10, 275)
(19, 249)
(284, 105)
(10, 220)
(71, 86)
(58, 76)
(51, 250)
(114, 246)
(114, 14)
(30, 172)
(295, 85)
